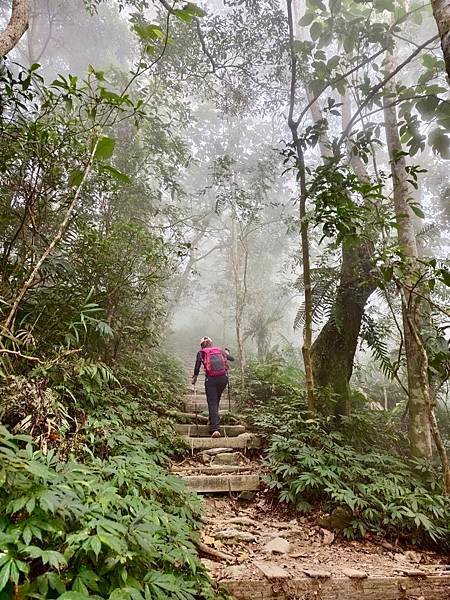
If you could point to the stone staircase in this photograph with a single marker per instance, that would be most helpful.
(216, 465)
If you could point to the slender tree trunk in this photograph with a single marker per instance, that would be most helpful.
(16, 27)
(9, 321)
(300, 164)
(240, 294)
(441, 11)
(419, 423)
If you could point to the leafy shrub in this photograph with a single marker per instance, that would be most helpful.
(116, 528)
(387, 494)
(359, 462)
(269, 381)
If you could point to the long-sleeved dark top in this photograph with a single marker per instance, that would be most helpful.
(199, 361)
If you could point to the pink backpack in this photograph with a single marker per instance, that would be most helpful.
(215, 362)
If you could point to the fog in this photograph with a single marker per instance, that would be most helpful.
(226, 193)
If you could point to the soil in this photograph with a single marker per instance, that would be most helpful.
(311, 547)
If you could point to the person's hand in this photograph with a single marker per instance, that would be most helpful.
(227, 351)
(194, 379)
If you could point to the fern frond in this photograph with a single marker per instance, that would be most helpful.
(375, 335)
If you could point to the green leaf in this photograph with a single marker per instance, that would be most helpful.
(4, 575)
(194, 10)
(123, 177)
(96, 545)
(429, 61)
(427, 106)
(417, 211)
(445, 277)
(349, 43)
(75, 177)
(148, 32)
(333, 62)
(315, 30)
(440, 142)
(307, 19)
(73, 596)
(105, 148)
(384, 5)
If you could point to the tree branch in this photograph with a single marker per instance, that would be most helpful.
(381, 85)
(61, 230)
(18, 24)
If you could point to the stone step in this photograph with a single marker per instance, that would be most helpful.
(246, 440)
(222, 483)
(188, 416)
(203, 408)
(194, 430)
(213, 469)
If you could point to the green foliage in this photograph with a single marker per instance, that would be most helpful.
(278, 377)
(359, 462)
(387, 494)
(110, 528)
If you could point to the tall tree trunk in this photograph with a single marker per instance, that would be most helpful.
(333, 351)
(441, 11)
(419, 423)
(16, 27)
(300, 164)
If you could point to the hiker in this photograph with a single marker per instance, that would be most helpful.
(215, 362)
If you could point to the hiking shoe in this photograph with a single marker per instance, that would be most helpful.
(215, 434)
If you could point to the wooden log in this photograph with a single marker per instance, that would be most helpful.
(244, 441)
(203, 408)
(194, 430)
(222, 483)
(433, 587)
(204, 549)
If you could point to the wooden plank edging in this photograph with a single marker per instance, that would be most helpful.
(222, 483)
(200, 430)
(430, 587)
(244, 441)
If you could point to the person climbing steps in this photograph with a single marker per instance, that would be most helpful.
(215, 363)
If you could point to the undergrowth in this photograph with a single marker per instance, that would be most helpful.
(87, 508)
(360, 463)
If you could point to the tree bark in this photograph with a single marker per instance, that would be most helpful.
(17, 25)
(419, 423)
(333, 351)
(441, 12)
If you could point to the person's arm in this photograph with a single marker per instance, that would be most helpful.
(198, 364)
(229, 357)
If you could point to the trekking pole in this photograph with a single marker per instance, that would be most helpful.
(229, 397)
(195, 408)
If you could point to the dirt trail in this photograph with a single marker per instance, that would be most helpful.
(251, 546)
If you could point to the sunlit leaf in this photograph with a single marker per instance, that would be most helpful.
(105, 148)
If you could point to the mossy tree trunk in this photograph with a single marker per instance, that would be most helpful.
(333, 351)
